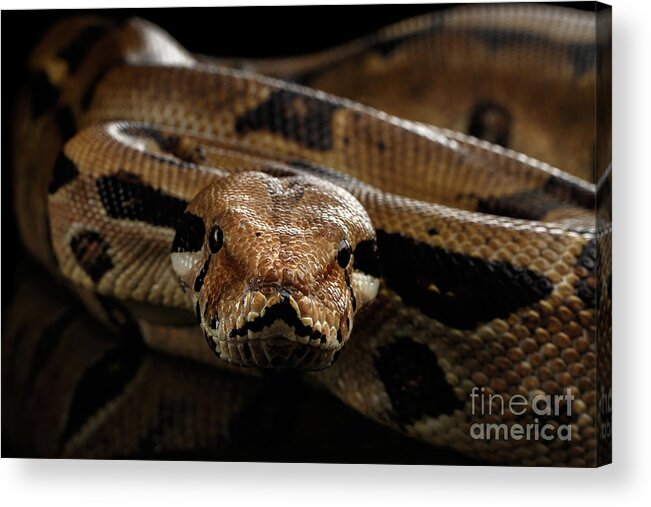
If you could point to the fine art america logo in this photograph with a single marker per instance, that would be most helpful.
(542, 406)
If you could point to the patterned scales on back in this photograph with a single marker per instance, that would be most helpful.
(283, 219)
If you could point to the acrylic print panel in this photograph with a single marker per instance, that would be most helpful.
(377, 245)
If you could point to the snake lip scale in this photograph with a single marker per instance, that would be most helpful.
(278, 337)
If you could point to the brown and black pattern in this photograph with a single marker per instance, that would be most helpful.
(458, 290)
(198, 282)
(125, 196)
(92, 254)
(587, 287)
(190, 233)
(65, 171)
(528, 205)
(503, 299)
(582, 55)
(414, 381)
(492, 122)
(294, 116)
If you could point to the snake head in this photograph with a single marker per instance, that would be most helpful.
(276, 268)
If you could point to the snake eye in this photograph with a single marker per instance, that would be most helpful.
(215, 239)
(344, 253)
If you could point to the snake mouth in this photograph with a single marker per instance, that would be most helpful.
(281, 334)
(286, 311)
(277, 352)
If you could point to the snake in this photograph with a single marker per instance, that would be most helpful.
(306, 214)
(121, 400)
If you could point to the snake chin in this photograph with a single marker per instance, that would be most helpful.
(278, 330)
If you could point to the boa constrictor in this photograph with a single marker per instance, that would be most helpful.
(289, 210)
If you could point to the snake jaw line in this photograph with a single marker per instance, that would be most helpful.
(286, 332)
(281, 335)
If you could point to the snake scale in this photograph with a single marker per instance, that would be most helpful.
(403, 265)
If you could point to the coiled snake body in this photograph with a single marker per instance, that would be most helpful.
(294, 216)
